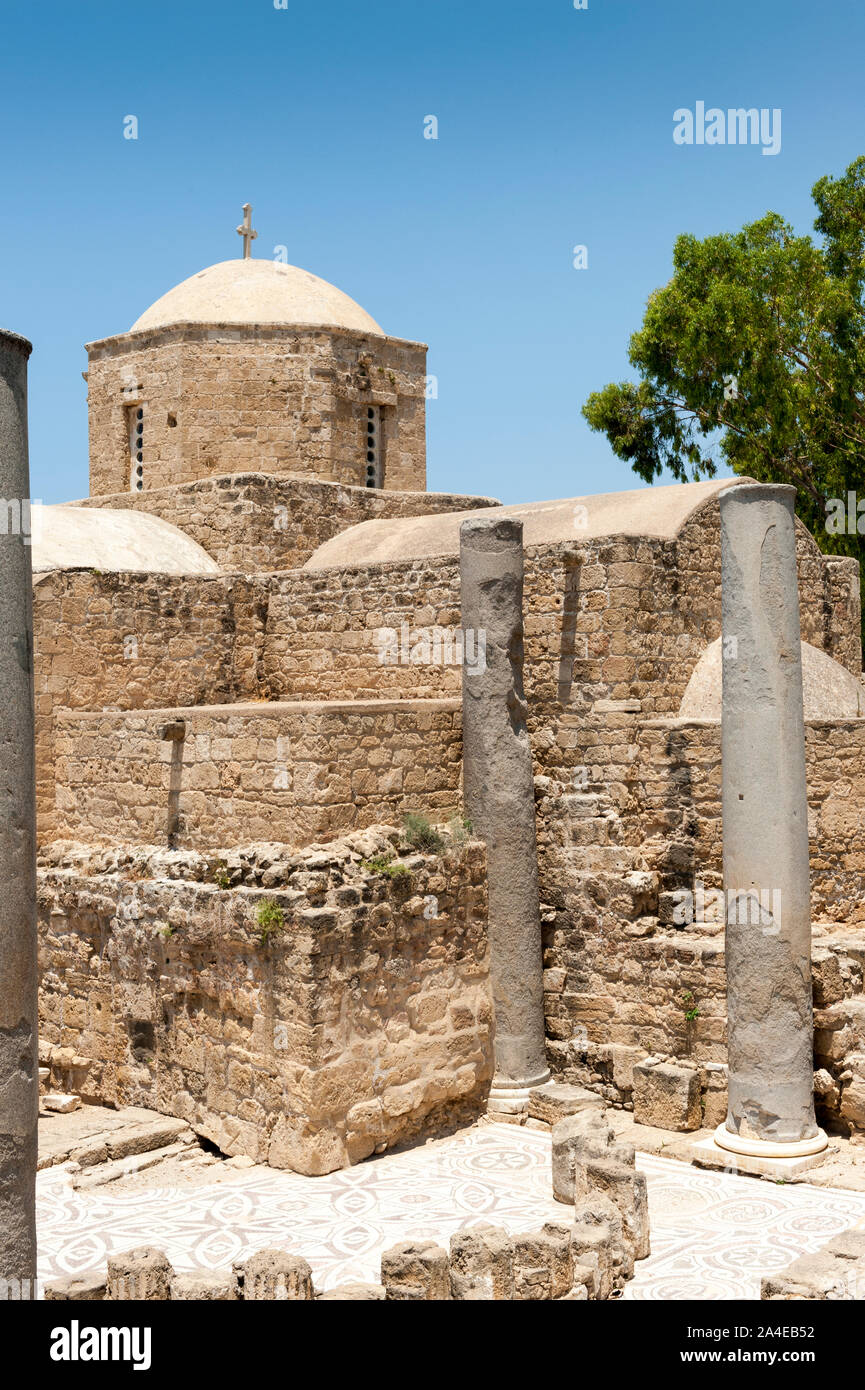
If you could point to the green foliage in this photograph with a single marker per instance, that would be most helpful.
(221, 876)
(690, 1007)
(381, 864)
(271, 919)
(460, 829)
(420, 835)
(754, 354)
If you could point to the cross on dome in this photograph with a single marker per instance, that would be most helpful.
(245, 230)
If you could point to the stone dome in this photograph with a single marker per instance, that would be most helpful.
(256, 292)
(65, 537)
(829, 690)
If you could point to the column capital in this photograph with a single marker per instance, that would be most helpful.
(753, 492)
(16, 342)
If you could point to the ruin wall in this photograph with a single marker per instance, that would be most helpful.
(361, 1021)
(629, 822)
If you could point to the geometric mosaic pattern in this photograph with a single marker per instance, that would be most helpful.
(713, 1234)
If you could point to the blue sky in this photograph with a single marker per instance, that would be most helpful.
(555, 129)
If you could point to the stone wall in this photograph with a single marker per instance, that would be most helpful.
(362, 1021)
(618, 618)
(136, 641)
(255, 522)
(292, 773)
(224, 398)
(325, 632)
(675, 792)
(629, 820)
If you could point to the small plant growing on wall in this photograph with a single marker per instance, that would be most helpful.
(380, 864)
(460, 828)
(221, 876)
(691, 1010)
(270, 918)
(420, 835)
(690, 1007)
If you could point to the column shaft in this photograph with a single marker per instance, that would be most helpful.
(765, 823)
(499, 789)
(19, 1088)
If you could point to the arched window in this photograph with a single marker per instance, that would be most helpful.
(136, 448)
(374, 448)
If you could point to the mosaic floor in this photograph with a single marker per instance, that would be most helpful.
(713, 1234)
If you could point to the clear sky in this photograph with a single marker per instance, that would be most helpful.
(555, 129)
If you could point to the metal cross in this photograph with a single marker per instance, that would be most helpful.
(245, 230)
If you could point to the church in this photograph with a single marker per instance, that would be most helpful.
(266, 896)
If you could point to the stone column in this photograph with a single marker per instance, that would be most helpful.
(499, 797)
(765, 827)
(19, 1084)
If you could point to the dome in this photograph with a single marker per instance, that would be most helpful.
(66, 537)
(256, 292)
(829, 691)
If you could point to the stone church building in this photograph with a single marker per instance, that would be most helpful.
(248, 643)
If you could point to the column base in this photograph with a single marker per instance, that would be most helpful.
(770, 1148)
(511, 1102)
(759, 1158)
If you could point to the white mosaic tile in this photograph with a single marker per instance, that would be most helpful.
(713, 1234)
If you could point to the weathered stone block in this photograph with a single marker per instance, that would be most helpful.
(416, 1270)
(543, 1266)
(204, 1285)
(556, 1101)
(354, 1293)
(667, 1096)
(826, 977)
(714, 1101)
(274, 1274)
(853, 1102)
(598, 1212)
(627, 1189)
(623, 1060)
(86, 1287)
(592, 1246)
(60, 1104)
(817, 1277)
(482, 1264)
(574, 1140)
(138, 1275)
(581, 1269)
